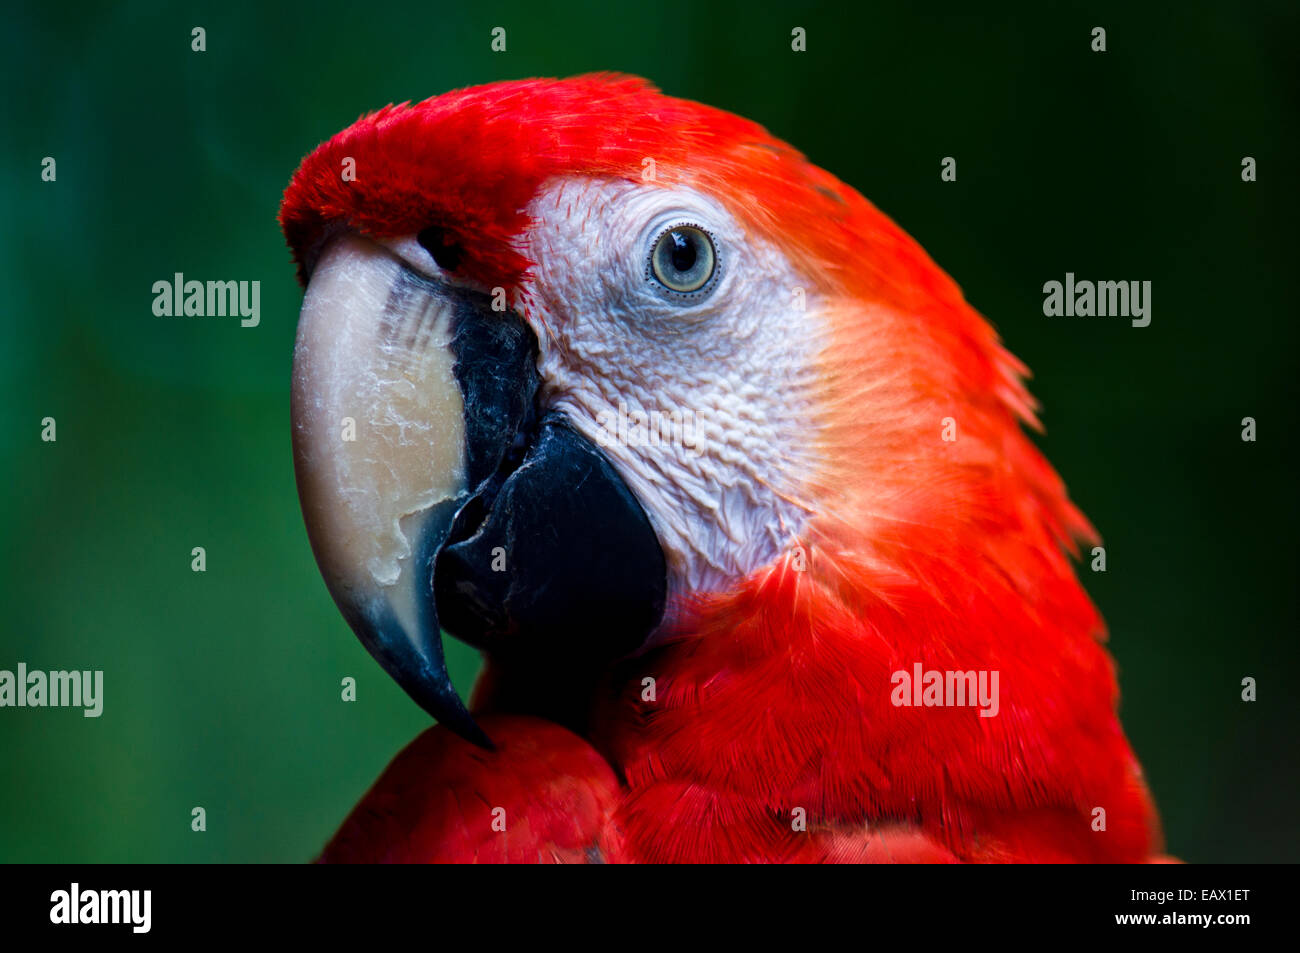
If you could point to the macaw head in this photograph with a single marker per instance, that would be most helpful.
(574, 355)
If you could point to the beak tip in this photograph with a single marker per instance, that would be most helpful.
(467, 728)
(434, 693)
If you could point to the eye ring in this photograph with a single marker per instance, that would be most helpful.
(683, 259)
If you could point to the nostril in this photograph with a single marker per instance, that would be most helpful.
(446, 252)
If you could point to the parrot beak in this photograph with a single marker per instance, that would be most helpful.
(437, 494)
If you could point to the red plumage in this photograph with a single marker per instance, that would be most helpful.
(776, 696)
(544, 795)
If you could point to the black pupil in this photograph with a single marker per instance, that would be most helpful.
(683, 253)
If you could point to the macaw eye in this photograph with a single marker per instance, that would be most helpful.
(683, 259)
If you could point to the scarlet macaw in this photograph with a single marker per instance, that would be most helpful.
(710, 459)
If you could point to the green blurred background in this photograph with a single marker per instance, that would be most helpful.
(223, 688)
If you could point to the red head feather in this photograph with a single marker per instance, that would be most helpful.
(470, 161)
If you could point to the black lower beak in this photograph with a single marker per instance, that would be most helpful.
(554, 561)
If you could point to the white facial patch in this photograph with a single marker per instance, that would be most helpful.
(701, 402)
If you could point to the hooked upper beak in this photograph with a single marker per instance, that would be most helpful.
(437, 493)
